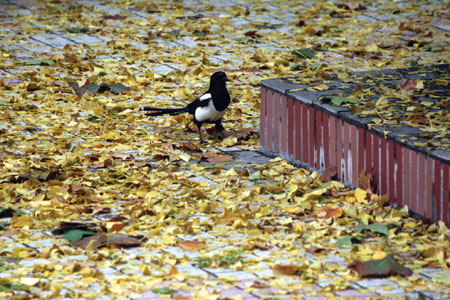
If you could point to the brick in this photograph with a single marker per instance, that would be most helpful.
(391, 172)
(312, 136)
(383, 166)
(354, 152)
(290, 127)
(332, 122)
(284, 120)
(446, 194)
(305, 134)
(276, 122)
(437, 190)
(339, 151)
(414, 184)
(346, 152)
(361, 152)
(326, 140)
(399, 175)
(262, 118)
(318, 137)
(298, 131)
(369, 152)
(269, 121)
(421, 195)
(406, 160)
(376, 161)
(429, 187)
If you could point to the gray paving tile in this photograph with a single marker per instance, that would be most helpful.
(355, 294)
(191, 270)
(376, 283)
(52, 40)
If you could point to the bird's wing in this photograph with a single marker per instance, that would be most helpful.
(201, 101)
(205, 96)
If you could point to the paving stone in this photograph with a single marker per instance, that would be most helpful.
(191, 270)
(52, 40)
(271, 293)
(86, 39)
(150, 295)
(376, 284)
(162, 70)
(235, 292)
(355, 294)
(266, 273)
(187, 41)
(179, 253)
(202, 179)
(434, 294)
(237, 275)
(251, 156)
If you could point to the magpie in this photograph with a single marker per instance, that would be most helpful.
(208, 108)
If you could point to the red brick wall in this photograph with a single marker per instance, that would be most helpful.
(317, 140)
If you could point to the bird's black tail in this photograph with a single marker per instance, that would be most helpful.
(153, 111)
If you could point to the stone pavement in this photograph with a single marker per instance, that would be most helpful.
(251, 275)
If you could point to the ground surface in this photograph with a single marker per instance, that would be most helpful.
(205, 221)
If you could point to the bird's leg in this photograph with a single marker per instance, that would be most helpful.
(220, 130)
(199, 126)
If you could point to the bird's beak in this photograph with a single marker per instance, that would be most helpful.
(226, 79)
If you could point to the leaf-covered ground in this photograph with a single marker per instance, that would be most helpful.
(99, 201)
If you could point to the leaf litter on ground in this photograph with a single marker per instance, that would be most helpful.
(139, 200)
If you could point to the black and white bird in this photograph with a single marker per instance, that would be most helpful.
(208, 108)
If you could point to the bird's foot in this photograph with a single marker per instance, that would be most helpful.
(223, 134)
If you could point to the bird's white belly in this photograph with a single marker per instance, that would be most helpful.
(208, 113)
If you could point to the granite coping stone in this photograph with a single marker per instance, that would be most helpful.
(441, 155)
(355, 119)
(312, 98)
(279, 85)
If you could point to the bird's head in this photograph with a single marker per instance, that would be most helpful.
(219, 78)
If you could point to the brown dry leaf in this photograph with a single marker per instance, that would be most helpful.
(191, 245)
(113, 17)
(260, 244)
(9, 233)
(316, 250)
(79, 90)
(408, 85)
(332, 212)
(114, 240)
(259, 285)
(351, 6)
(253, 34)
(115, 227)
(329, 173)
(287, 270)
(435, 252)
(31, 87)
(365, 181)
(228, 216)
(214, 157)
